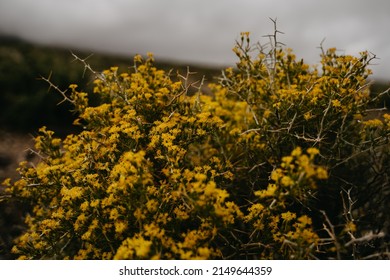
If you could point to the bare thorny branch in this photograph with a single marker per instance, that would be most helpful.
(330, 229)
(86, 65)
(186, 85)
(62, 92)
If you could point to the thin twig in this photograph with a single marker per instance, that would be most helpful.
(62, 92)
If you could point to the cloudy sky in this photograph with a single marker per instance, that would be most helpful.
(203, 31)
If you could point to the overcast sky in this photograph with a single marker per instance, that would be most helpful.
(203, 31)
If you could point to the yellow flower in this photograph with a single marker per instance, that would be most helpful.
(296, 152)
(152, 205)
(313, 151)
(276, 174)
(288, 216)
(137, 246)
(56, 142)
(114, 214)
(84, 206)
(270, 191)
(307, 116)
(94, 203)
(204, 252)
(286, 181)
(350, 227)
(336, 103)
(71, 194)
(277, 105)
(287, 160)
(181, 212)
(254, 211)
(304, 220)
(373, 123)
(120, 226)
(153, 230)
(79, 221)
(322, 173)
(266, 113)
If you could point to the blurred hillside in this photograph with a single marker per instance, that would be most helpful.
(25, 102)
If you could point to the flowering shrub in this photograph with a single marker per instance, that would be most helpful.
(254, 170)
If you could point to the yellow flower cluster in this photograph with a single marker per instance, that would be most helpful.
(295, 179)
(132, 178)
(159, 173)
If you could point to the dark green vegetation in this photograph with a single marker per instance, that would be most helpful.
(25, 101)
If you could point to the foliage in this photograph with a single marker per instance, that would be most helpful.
(21, 65)
(25, 104)
(265, 167)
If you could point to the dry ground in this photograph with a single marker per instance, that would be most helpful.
(14, 148)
